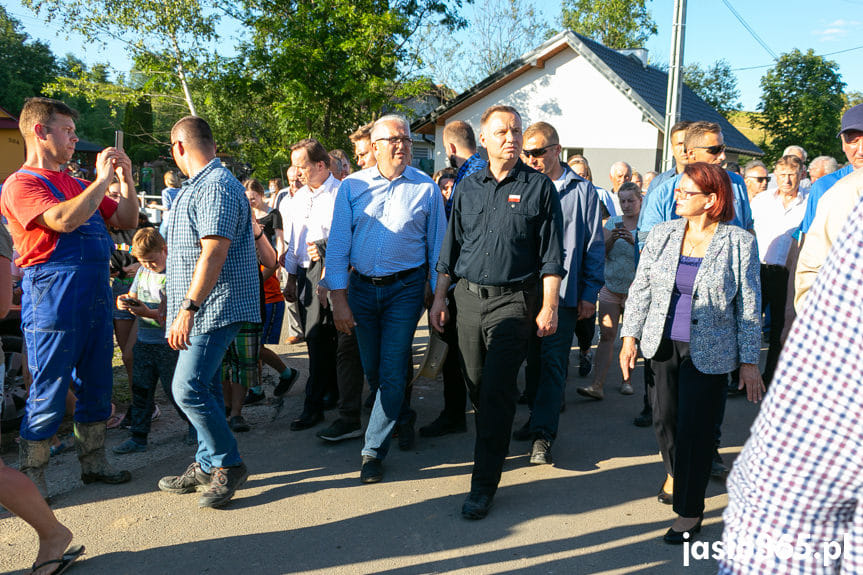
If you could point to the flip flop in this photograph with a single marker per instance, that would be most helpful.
(64, 563)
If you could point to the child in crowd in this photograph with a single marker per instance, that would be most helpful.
(154, 359)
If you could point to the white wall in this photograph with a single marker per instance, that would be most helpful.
(587, 111)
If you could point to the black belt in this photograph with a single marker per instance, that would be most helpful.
(387, 280)
(485, 292)
(774, 267)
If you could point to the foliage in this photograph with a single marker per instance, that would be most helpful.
(500, 31)
(169, 31)
(716, 85)
(617, 24)
(318, 69)
(98, 116)
(139, 142)
(851, 99)
(25, 66)
(801, 103)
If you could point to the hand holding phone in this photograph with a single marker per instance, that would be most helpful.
(132, 302)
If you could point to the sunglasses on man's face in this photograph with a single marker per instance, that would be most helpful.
(712, 150)
(537, 152)
(759, 179)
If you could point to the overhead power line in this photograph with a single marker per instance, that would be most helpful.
(750, 30)
(819, 55)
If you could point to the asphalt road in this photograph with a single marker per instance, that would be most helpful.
(304, 510)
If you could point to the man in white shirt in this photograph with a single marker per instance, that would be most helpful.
(306, 226)
(777, 215)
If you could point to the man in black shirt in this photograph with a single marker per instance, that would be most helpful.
(504, 240)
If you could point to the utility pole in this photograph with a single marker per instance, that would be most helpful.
(675, 80)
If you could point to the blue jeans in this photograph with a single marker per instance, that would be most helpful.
(386, 318)
(554, 359)
(197, 390)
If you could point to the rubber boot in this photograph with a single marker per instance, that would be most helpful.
(33, 457)
(90, 445)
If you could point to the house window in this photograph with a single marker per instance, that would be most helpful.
(422, 153)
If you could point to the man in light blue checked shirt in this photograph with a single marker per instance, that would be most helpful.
(388, 225)
(212, 289)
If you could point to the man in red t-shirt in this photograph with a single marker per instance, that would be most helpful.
(58, 225)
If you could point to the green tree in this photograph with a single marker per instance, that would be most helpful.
(25, 66)
(852, 99)
(139, 141)
(617, 24)
(801, 103)
(716, 85)
(318, 69)
(170, 32)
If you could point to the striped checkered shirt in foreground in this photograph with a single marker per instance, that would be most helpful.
(799, 479)
(213, 203)
(381, 227)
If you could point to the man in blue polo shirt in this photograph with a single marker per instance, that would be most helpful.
(852, 144)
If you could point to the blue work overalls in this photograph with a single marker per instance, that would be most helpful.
(66, 320)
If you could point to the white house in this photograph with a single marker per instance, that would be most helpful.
(606, 105)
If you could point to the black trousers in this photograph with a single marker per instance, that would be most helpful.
(320, 335)
(454, 388)
(349, 371)
(493, 336)
(584, 332)
(774, 292)
(648, 385)
(686, 410)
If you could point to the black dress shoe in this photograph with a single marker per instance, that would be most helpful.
(442, 426)
(306, 420)
(673, 537)
(644, 419)
(476, 505)
(663, 496)
(407, 436)
(373, 469)
(523, 433)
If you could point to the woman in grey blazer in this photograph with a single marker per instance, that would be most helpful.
(695, 307)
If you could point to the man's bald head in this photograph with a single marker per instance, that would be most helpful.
(194, 132)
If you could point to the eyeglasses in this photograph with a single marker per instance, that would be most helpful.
(759, 179)
(688, 193)
(395, 140)
(712, 150)
(537, 152)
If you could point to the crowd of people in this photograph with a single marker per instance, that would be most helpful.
(512, 251)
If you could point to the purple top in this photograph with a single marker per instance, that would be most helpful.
(677, 322)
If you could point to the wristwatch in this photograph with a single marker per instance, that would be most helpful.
(189, 305)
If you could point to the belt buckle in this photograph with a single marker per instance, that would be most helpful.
(483, 292)
(377, 282)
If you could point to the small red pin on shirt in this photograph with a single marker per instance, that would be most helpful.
(513, 199)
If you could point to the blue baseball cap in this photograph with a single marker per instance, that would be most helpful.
(852, 119)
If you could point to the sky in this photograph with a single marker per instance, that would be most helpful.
(712, 32)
